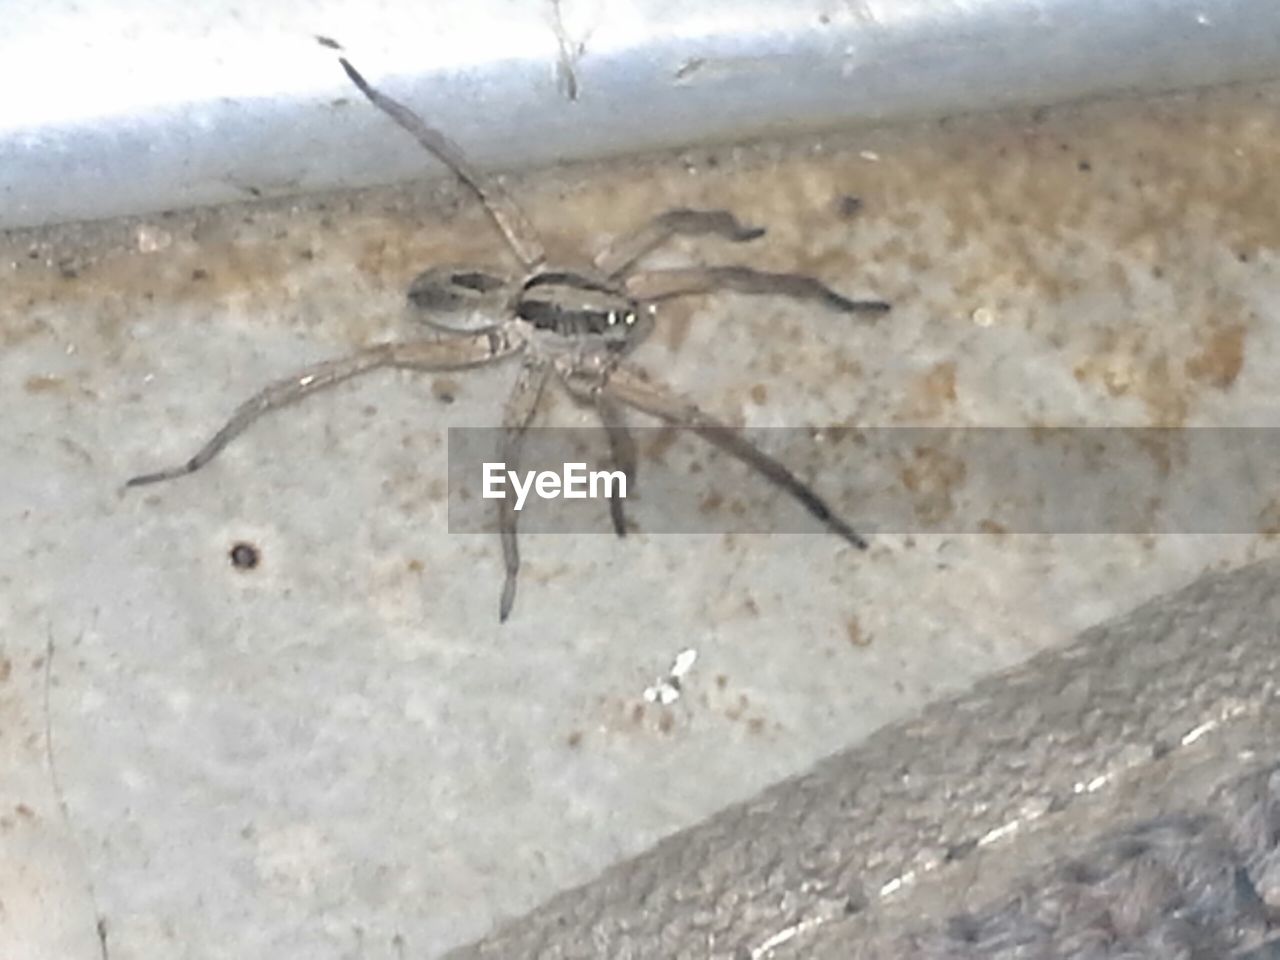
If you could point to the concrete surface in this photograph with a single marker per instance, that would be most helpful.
(340, 753)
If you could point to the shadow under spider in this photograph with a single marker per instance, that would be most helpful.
(573, 325)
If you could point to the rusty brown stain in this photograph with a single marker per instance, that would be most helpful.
(414, 566)
(1128, 364)
(574, 740)
(931, 393)
(1221, 358)
(445, 389)
(15, 330)
(1166, 398)
(626, 716)
(845, 367)
(987, 525)
(932, 476)
(42, 384)
(1110, 363)
(1269, 519)
(853, 631)
(6, 669)
(1161, 448)
(759, 394)
(755, 725)
(659, 442)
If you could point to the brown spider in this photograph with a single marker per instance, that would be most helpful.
(573, 324)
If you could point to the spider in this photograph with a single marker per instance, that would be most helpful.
(573, 325)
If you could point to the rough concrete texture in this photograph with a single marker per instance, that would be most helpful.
(1120, 757)
(340, 752)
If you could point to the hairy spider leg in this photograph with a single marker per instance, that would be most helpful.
(621, 255)
(658, 285)
(506, 213)
(452, 354)
(622, 455)
(628, 388)
(520, 407)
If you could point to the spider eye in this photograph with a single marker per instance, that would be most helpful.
(611, 318)
(629, 318)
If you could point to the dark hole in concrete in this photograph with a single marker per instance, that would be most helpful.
(244, 556)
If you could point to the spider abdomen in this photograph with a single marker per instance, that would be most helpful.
(574, 306)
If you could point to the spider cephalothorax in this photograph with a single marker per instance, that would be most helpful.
(575, 325)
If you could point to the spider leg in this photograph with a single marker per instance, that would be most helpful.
(627, 388)
(511, 220)
(519, 410)
(622, 254)
(422, 355)
(622, 453)
(655, 285)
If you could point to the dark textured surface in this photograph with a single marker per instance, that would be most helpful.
(1175, 886)
(1110, 799)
